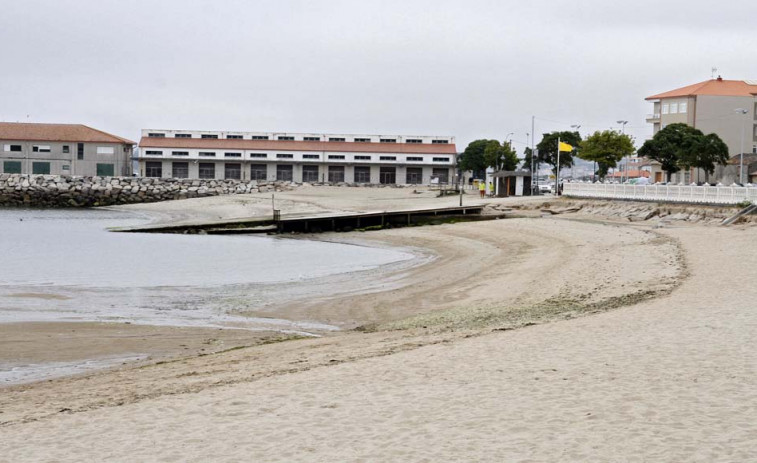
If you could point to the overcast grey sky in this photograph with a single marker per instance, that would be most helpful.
(473, 69)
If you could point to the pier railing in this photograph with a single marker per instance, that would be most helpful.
(663, 193)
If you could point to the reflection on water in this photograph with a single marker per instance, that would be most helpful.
(63, 265)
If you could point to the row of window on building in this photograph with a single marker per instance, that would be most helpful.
(674, 108)
(291, 138)
(284, 172)
(315, 157)
(65, 149)
(43, 168)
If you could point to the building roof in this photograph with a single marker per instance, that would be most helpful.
(629, 174)
(57, 132)
(717, 87)
(286, 145)
(748, 159)
(512, 173)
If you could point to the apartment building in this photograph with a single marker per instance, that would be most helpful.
(297, 157)
(62, 149)
(725, 107)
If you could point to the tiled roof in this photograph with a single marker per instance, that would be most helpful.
(281, 145)
(57, 132)
(717, 87)
(629, 174)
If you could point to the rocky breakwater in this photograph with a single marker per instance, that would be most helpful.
(66, 191)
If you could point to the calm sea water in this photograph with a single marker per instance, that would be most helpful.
(62, 265)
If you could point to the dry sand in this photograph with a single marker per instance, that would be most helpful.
(670, 378)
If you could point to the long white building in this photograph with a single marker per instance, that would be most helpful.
(297, 157)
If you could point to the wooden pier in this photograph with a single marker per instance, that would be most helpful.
(344, 221)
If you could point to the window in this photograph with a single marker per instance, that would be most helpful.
(179, 153)
(156, 135)
(413, 140)
(336, 156)
(387, 158)
(414, 175)
(258, 171)
(312, 138)
(183, 135)
(682, 108)
(673, 108)
(233, 171)
(41, 148)
(105, 170)
(286, 138)
(80, 151)
(336, 174)
(362, 158)
(336, 139)
(12, 147)
(362, 140)
(207, 154)
(180, 169)
(311, 156)
(154, 169)
(232, 155)
(66, 149)
(207, 170)
(441, 159)
(105, 150)
(206, 135)
(285, 156)
(388, 140)
(41, 168)
(284, 173)
(259, 137)
(309, 173)
(154, 153)
(362, 174)
(441, 174)
(388, 175)
(439, 142)
(12, 167)
(234, 137)
(665, 109)
(414, 159)
(258, 155)
(65, 167)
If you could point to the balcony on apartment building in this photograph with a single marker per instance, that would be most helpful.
(653, 117)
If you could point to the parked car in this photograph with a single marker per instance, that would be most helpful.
(545, 188)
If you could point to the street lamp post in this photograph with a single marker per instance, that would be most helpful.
(741, 152)
(623, 132)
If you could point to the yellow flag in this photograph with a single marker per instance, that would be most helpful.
(565, 147)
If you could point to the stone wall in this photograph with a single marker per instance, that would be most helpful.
(66, 191)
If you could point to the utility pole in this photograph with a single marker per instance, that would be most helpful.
(533, 173)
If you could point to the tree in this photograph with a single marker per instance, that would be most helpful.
(547, 148)
(500, 156)
(606, 148)
(708, 151)
(473, 157)
(673, 147)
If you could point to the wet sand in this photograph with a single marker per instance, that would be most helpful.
(40, 351)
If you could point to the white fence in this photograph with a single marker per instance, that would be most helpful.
(662, 193)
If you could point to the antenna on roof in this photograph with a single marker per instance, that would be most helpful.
(714, 71)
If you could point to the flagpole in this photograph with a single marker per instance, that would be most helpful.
(557, 169)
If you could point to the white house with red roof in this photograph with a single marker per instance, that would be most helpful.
(297, 157)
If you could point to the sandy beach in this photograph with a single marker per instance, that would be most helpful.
(566, 338)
